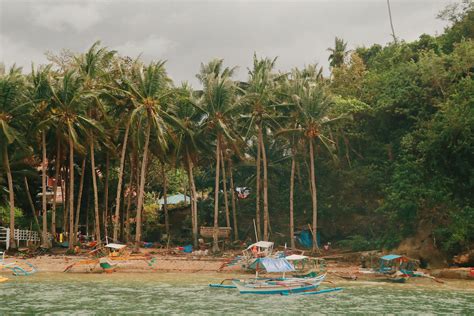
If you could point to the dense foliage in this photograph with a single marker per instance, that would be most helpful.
(380, 151)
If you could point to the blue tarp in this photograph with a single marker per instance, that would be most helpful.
(305, 238)
(273, 265)
(390, 257)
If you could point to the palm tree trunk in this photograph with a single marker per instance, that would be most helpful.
(106, 195)
(292, 190)
(141, 190)
(71, 193)
(192, 187)
(55, 189)
(129, 200)
(257, 196)
(65, 188)
(313, 195)
(165, 200)
(96, 194)
(33, 211)
(224, 187)
(79, 196)
(11, 196)
(266, 218)
(44, 235)
(119, 184)
(215, 245)
(232, 196)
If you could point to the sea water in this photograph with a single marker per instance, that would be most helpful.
(179, 294)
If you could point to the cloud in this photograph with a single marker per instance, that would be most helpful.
(64, 15)
(19, 53)
(151, 47)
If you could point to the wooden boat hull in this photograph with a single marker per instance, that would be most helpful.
(316, 291)
(278, 287)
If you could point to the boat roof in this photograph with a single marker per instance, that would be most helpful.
(391, 257)
(296, 257)
(261, 244)
(115, 246)
(273, 264)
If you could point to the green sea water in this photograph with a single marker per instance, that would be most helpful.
(189, 294)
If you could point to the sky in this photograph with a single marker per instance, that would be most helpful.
(187, 33)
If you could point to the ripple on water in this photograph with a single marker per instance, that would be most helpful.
(86, 294)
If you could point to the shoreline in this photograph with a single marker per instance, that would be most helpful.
(192, 264)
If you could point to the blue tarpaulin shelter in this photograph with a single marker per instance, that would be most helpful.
(273, 265)
(305, 238)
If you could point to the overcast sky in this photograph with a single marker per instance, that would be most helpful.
(187, 33)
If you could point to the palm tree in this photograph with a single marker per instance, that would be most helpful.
(93, 66)
(188, 143)
(70, 116)
(260, 99)
(149, 88)
(40, 95)
(312, 103)
(121, 107)
(338, 53)
(12, 116)
(219, 106)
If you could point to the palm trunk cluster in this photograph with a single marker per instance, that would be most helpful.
(262, 160)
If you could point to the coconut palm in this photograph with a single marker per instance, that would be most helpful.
(40, 96)
(260, 99)
(188, 143)
(338, 53)
(93, 67)
(312, 103)
(13, 114)
(219, 106)
(149, 88)
(70, 102)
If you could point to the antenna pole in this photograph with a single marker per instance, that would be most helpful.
(391, 23)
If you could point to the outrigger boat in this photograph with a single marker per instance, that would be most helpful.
(107, 258)
(18, 268)
(273, 287)
(276, 285)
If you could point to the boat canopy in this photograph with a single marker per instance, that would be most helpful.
(273, 265)
(395, 257)
(261, 244)
(115, 246)
(295, 257)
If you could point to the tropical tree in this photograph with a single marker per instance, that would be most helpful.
(149, 88)
(218, 102)
(312, 103)
(189, 142)
(338, 53)
(93, 67)
(260, 99)
(13, 114)
(71, 101)
(40, 96)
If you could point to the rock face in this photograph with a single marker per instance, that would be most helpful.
(454, 273)
(423, 247)
(465, 259)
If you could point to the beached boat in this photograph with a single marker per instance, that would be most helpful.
(276, 285)
(18, 268)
